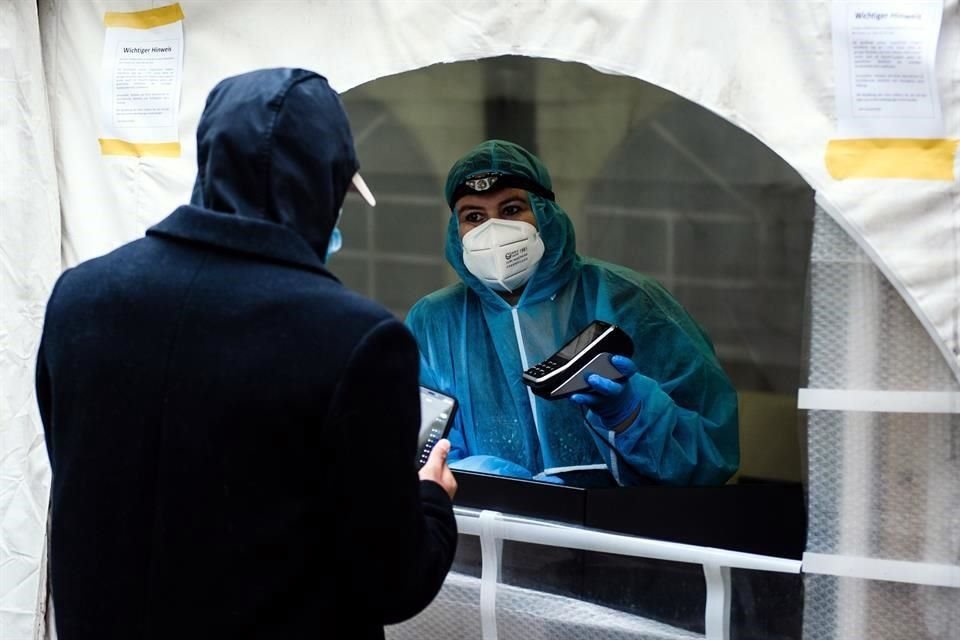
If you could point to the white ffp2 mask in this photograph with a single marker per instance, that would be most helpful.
(503, 254)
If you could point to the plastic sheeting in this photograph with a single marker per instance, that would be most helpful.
(29, 263)
(841, 608)
(882, 486)
(525, 614)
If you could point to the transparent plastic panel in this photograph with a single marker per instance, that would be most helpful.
(885, 485)
(723, 224)
(845, 608)
(651, 181)
(468, 559)
(670, 593)
(862, 334)
(766, 605)
(551, 592)
(525, 614)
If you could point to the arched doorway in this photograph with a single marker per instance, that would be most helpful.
(653, 182)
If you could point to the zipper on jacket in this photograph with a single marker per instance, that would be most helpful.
(614, 467)
(525, 364)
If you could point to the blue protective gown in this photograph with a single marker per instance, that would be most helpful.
(475, 346)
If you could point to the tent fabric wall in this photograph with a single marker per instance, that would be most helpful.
(29, 263)
(766, 67)
(784, 97)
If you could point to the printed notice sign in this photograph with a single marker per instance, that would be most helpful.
(884, 61)
(141, 75)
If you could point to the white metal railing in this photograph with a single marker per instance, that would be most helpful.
(494, 527)
(879, 401)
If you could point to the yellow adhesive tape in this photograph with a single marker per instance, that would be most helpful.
(915, 158)
(147, 19)
(111, 147)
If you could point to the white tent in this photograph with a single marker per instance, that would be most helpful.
(766, 67)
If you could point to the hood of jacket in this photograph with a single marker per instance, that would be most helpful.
(560, 262)
(276, 145)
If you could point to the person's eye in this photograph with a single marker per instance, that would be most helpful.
(473, 217)
(512, 210)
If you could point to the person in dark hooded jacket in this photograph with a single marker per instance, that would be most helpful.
(209, 391)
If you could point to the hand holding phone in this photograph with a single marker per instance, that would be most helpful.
(436, 417)
(437, 470)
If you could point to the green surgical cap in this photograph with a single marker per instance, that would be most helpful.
(501, 157)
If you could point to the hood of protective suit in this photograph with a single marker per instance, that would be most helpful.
(560, 262)
(275, 145)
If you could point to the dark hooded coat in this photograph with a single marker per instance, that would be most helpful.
(232, 432)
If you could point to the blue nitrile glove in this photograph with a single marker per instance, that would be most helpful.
(613, 402)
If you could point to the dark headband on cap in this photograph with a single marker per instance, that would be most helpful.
(491, 181)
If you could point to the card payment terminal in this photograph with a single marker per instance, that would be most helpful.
(565, 372)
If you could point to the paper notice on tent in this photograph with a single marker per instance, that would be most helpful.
(889, 122)
(141, 77)
(884, 60)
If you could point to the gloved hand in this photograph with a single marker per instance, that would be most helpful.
(612, 401)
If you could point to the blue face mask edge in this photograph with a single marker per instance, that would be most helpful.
(336, 238)
(336, 241)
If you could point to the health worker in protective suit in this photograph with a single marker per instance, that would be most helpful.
(672, 420)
